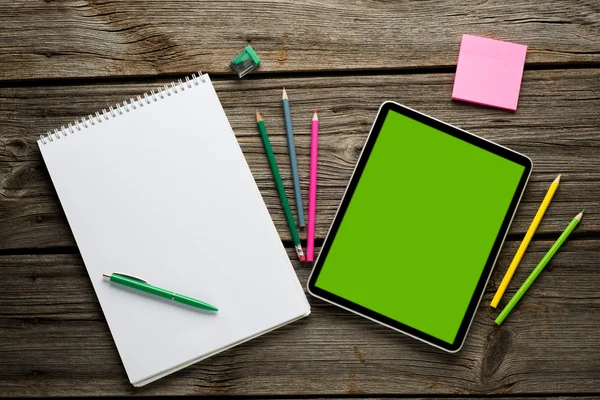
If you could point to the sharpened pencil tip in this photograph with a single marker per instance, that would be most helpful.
(579, 216)
(315, 116)
(284, 95)
(558, 178)
(258, 117)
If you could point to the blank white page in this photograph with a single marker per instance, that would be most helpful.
(164, 192)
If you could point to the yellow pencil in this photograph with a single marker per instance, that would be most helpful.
(532, 228)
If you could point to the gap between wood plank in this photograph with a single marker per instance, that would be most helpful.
(581, 396)
(290, 245)
(219, 76)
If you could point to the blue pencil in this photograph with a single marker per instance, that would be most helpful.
(293, 162)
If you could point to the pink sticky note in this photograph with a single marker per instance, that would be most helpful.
(489, 72)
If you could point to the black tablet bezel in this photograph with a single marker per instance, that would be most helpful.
(486, 273)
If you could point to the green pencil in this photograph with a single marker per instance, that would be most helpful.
(540, 267)
(280, 189)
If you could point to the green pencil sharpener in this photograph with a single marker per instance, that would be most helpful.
(245, 62)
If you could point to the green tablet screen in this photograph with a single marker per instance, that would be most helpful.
(420, 226)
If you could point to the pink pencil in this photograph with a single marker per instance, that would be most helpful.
(312, 188)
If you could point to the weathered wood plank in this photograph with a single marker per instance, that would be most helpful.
(54, 340)
(59, 39)
(556, 125)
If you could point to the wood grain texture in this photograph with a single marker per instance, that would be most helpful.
(65, 39)
(54, 340)
(556, 125)
(53, 337)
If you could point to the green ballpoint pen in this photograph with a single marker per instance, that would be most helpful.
(140, 284)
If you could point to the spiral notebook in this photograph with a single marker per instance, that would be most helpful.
(158, 187)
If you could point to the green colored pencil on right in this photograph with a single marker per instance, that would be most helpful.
(540, 267)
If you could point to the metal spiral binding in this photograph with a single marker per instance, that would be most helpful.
(124, 107)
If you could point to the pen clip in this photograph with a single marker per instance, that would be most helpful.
(132, 277)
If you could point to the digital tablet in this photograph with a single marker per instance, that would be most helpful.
(418, 231)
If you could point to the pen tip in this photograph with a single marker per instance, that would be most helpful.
(106, 275)
(284, 94)
(258, 117)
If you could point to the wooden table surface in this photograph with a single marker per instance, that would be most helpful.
(60, 60)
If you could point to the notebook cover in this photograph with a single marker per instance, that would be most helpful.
(163, 192)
